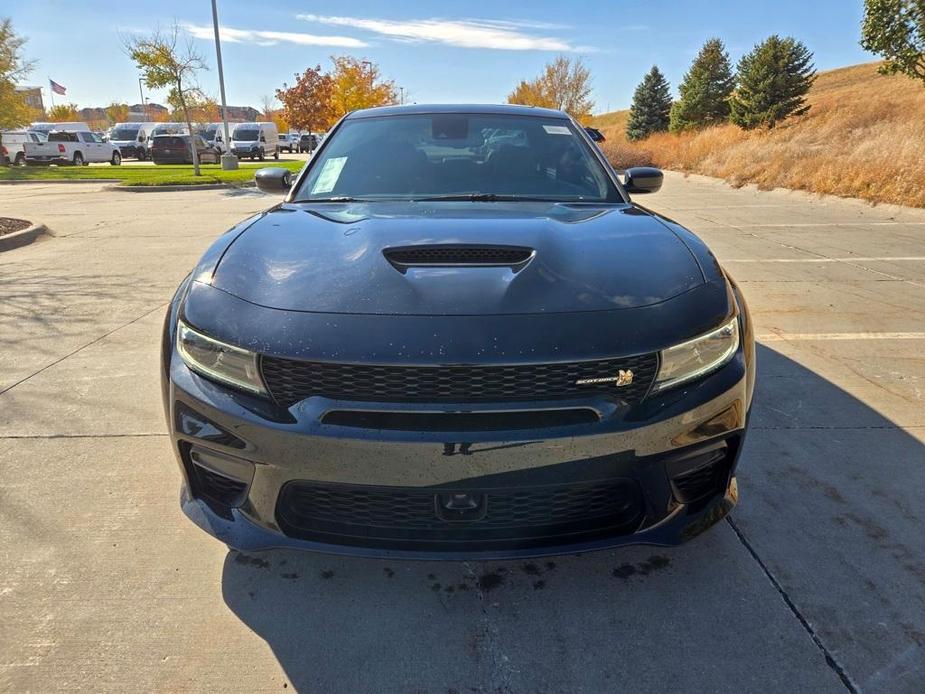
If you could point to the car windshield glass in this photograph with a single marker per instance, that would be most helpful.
(245, 134)
(209, 133)
(124, 134)
(170, 141)
(484, 157)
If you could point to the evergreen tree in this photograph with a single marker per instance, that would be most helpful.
(772, 83)
(651, 106)
(705, 89)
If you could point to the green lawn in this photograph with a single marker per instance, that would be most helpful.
(180, 174)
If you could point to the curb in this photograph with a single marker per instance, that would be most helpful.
(23, 237)
(176, 188)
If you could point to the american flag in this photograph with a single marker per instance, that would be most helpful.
(57, 88)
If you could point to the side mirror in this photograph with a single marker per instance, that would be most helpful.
(643, 179)
(273, 179)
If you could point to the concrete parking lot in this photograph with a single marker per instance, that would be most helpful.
(816, 584)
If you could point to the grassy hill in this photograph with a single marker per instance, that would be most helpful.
(864, 136)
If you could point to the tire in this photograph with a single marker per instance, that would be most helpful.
(142, 156)
(276, 154)
(20, 159)
(78, 159)
(261, 155)
(116, 159)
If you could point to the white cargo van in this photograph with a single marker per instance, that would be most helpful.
(255, 140)
(132, 138)
(213, 134)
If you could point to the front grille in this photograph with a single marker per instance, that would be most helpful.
(458, 255)
(359, 514)
(290, 381)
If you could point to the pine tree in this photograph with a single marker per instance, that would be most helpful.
(772, 83)
(651, 106)
(705, 89)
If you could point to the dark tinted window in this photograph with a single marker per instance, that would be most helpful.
(245, 134)
(171, 141)
(432, 155)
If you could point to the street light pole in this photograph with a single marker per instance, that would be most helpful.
(144, 106)
(229, 160)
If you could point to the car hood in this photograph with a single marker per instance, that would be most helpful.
(329, 258)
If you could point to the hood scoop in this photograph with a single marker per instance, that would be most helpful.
(458, 255)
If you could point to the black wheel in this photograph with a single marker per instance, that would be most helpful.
(78, 159)
(20, 159)
(276, 154)
(116, 159)
(260, 155)
(142, 156)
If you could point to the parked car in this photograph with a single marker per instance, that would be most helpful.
(11, 146)
(166, 129)
(289, 142)
(176, 149)
(255, 140)
(132, 139)
(595, 135)
(66, 147)
(308, 142)
(213, 135)
(456, 353)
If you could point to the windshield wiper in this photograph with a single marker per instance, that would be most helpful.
(487, 197)
(336, 198)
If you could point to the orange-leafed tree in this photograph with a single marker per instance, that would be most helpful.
(359, 84)
(308, 105)
(60, 113)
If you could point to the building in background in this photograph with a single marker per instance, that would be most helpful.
(155, 112)
(242, 114)
(33, 97)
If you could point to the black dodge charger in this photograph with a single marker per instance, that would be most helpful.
(457, 337)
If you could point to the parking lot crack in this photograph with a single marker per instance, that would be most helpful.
(487, 635)
(830, 658)
(102, 337)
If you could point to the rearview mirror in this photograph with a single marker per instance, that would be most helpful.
(642, 179)
(273, 179)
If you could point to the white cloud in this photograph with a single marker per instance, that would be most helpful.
(465, 33)
(270, 38)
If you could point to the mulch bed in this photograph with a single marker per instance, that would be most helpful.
(9, 225)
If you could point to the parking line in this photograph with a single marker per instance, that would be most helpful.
(808, 337)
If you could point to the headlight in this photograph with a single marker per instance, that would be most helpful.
(697, 357)
(218, 360)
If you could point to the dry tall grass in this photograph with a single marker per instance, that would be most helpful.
(863, 137)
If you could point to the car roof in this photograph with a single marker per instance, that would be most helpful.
(482, 109)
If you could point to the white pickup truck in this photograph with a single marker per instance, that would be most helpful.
(77, 148)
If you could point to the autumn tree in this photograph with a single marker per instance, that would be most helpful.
(704, 90)
(307, 105)
(564, 85)
(651, 107)
(895, 29)
(63, 113)
(117, 113)
(772, 84)
(358, 84)
(165, 63)
(14, 111)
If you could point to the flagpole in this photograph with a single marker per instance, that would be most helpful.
(51, 93)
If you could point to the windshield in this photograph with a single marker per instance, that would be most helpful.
(124, 134)
(209, 133)
(245, 134)
(461, 156)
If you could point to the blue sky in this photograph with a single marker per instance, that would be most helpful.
(451, 51)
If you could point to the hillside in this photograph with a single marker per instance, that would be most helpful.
(863, 137)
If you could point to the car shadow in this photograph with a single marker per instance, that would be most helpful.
(826, 526)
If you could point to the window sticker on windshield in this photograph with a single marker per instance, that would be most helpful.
(330, 172)
(557, 130)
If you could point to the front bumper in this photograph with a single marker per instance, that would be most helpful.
(645, 449)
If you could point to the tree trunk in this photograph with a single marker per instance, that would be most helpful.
(189, 126)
